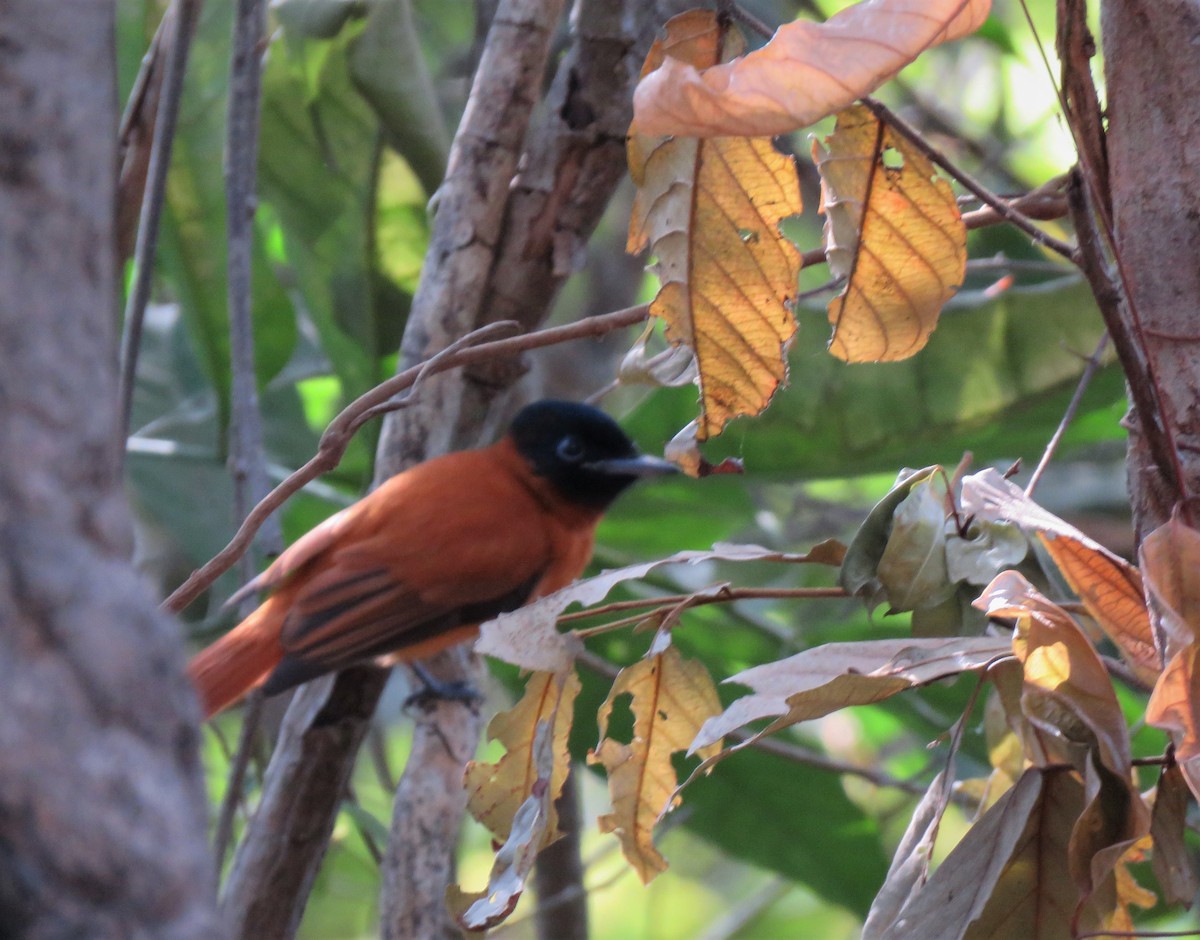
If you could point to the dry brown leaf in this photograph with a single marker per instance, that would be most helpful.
(806, 72)
(1109, 586)
(1171, 861)
(1114, 818)
(496, 792)
(1170, 557)
(483, 910)
(894, 232)
(671, 698)
(831, 677)
(710, 212)
(529, 638)
(1068, 692)
(1175, 705)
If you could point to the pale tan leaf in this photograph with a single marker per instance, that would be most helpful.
(495, 792)
(1171, 860)
(1067, 692)
(894, 232)
(514, 859)
(1170, 557)
(671, 698)
(528, 637)
(819, 681)
(806, 72)
(1109, 586)
(710, 213)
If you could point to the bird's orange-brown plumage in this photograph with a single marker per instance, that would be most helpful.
(409, 570)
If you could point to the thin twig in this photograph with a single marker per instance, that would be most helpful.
(1001, 206)
(152, 206)
(1092, 367)
(239, 763)
(337, 436)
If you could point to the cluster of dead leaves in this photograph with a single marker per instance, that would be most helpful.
(713, 190)
(1060, 817)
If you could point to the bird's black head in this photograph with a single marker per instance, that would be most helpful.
(581, 452)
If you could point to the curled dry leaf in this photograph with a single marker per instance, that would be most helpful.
(529, 637)
(1109, 586)
(1171, 861)
(806, 72)
(1170, 557)
(495, 792)
(1175, 705)
(671, 698)
(683, 450)
(1067, 690)
(913, 568)
(894, 232)
(710, 212)
(514, 859)
(831, 677)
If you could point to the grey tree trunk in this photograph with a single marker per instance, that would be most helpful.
(102, 808)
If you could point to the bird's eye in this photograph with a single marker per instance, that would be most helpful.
(570, 449)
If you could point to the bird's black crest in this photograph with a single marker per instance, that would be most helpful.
(563, 441)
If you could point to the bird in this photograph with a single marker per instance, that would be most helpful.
(415, 566)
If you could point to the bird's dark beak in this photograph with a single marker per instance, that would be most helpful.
(643, 465)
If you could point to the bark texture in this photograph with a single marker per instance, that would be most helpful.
(1153, 84)
(102, 808)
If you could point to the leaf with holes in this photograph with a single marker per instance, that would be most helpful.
(710, 212)
(806, 72)
(497, 791)
(672, 697)
(893, 230)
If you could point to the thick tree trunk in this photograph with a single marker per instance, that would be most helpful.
(101, 798)
(1153, 84)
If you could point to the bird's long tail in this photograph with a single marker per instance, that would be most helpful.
(240, 661)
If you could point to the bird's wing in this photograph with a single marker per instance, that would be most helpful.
(414, 573)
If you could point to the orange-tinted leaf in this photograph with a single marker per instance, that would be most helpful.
(1170, 558)
(710, 212)
(514, 859)
(529, 638)
(806, 72)
(1109, 586)
(1067, 689)
(1175, 705)
(671, 698)
(497, 791)
(1171, 861)
(895, 234)
(834, 676)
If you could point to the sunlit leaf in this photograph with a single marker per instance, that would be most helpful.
(807, 71)
(819, 681)
(1171, 861)
(1175, 705)
(497, 791)
(710, 212)
(1109, 586)
(1068, 692)
(894, 231)
(671, 698)
(514, 859)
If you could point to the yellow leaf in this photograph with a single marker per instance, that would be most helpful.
(894, 232)
(497, 791)
(672, 697)
(710, 212)
(806, 72)
(482, 910)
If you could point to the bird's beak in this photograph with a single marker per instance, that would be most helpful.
(643, 465)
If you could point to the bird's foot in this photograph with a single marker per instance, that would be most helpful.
(436, 690)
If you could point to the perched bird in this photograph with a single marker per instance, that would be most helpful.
(415, 566)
